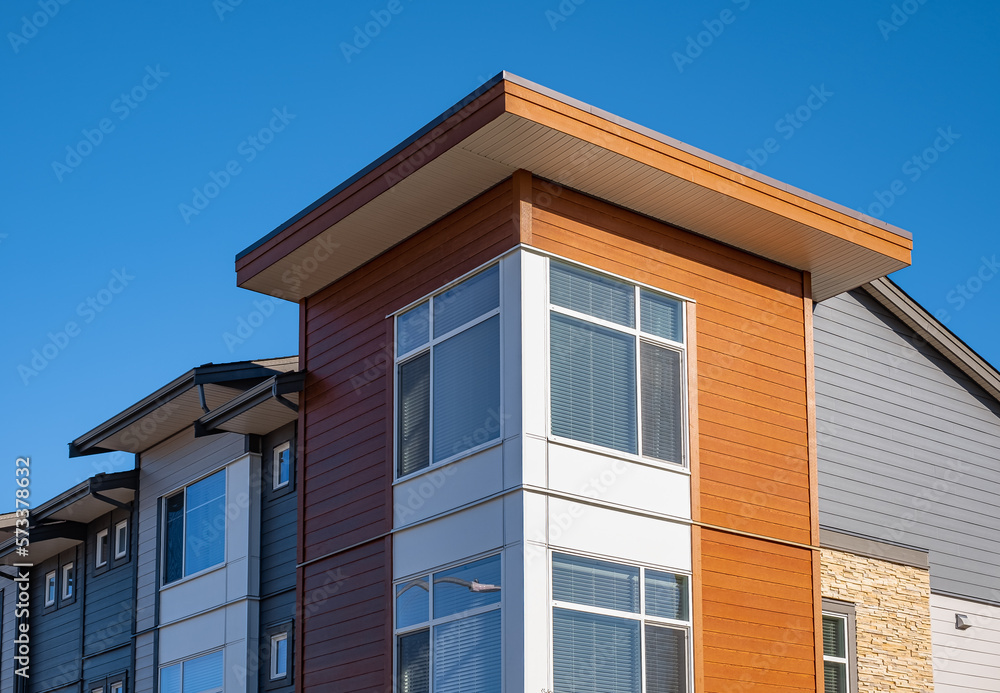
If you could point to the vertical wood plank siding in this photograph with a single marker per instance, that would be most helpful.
(753, 464)
(345, 598)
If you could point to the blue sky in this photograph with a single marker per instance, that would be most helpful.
(118, 114)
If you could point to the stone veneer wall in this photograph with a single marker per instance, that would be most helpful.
(893, 615)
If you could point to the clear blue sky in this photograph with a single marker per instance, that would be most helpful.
(848, 93)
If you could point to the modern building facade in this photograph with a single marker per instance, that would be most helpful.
(909, 461)
(177, 576)
(558, 429)
(577, 409)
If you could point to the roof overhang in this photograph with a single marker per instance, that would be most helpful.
(259, 410)
(510, 124)
(61, 522)
(177, 405)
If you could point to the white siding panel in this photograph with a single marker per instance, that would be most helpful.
(965, 661)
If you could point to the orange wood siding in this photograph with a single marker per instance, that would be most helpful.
(757, 599)
(345, 598)
(754, 620)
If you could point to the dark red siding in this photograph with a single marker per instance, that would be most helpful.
(346, 513)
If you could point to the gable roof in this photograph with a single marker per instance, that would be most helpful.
(509, 124)
(928, 328)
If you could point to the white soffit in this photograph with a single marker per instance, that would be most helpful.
(511, 142)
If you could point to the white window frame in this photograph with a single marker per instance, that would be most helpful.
(275, 639)
(100, 557)
(641, 617)
(276, 465)
(428, 347)
(68, 586)
(117, 687)
(51, 588)
(638, 338)
(163, 528)
(99, 689)
(432, 622)
(121, 547)
(220, 689)
(846, 660)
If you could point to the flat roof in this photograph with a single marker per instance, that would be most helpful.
(510, 123)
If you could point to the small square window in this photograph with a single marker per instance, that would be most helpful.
(50, 588)
(102, 548)
(67, 581)
(121, 539)
(281, 470)
(279, 656)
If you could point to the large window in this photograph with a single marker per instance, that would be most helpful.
(448, 630)
(617, 364)
(198, 675)
(194, 528)
(448, 373)
(618, 628)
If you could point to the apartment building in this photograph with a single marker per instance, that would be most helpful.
(177, 576)
(559, 429)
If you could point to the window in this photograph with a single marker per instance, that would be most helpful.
(616, 364)
(448, 630)
(117, 687)
(448, 373)
(50, 588)
(67, 581)
(279, 656)
(99, 689)
(199, 675)
(102, 548)
(618, 628)
(281, 469)
(194, 522)
(121, 539)
(838, 650)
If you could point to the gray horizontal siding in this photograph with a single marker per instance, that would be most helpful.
(55, 633)
(909, 446)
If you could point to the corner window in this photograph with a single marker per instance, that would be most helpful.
(50, 588)
(281, 466)
(839, 663)
(618, 628)
(102, 548)
(279, 656)
(448, 373)
(67, 581)
(616, 364)
(448, 630)
(194, 528)
(121, 539)
(198, 675)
